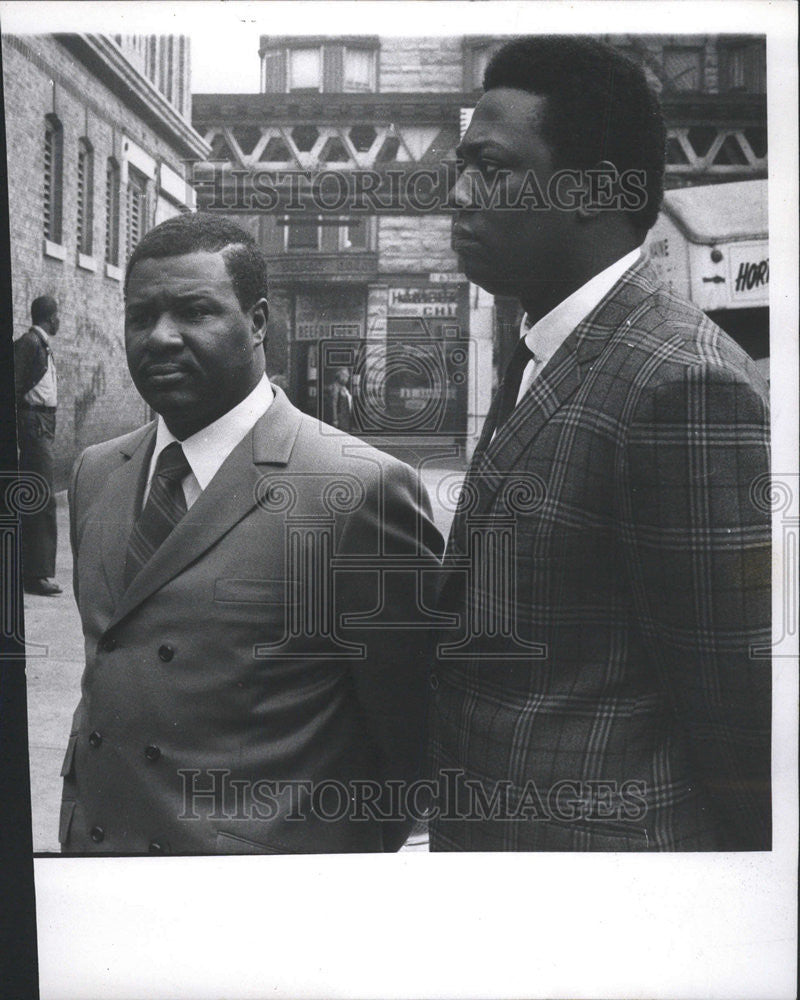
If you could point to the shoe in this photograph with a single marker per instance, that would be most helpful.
(41, 586)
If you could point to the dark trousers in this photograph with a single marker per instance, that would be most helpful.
(37, 431)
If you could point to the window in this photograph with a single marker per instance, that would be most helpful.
(136, 209)
(317, 64)
(53, 178)
(359, 71)
(355, 234)
(302, 234)
(85, 222)
(112, 212)
(743, 67)
(305, 70)
(683, 67)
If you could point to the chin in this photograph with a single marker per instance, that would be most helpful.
(490, 281)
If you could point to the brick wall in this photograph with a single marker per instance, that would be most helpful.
(96, 398)
(421, 65)
(415, 243)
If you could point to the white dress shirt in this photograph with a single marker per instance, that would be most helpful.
(206, 450)
(546, 336)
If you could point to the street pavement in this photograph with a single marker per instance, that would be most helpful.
(55, 665)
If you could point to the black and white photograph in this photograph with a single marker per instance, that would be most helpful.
(400, 557)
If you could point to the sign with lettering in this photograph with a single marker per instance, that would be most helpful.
(446, 277)
(433, 302)
(748, 269)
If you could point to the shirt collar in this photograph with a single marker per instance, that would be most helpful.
(206, 450)
(43, 334)
(547, 335)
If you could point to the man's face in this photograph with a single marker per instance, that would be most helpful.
(507, 250)
(54, 324)
(193, 352)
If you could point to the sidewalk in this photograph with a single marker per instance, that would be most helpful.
(54, 667)
(55, 664)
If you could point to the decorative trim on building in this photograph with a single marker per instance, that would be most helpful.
(326, 109)
(330, 267)
(104, 58)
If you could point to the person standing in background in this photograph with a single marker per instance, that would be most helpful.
(36, 400)
(341, 400)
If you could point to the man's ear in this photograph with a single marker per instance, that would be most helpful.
(600, 190)
(259, 317)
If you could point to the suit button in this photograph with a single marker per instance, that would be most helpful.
(433, 680)
(97, 833)
(156, 847)
(95, 738)
(152, 752)
(107, 643)
(166, 652)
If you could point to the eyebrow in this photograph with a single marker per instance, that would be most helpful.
(181, 296)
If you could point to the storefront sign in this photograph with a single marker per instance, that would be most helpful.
(446, 278)
(432, 303)
(749, 272)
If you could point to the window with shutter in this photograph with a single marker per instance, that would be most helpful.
(112, 212)
(136, 209)
(85, 198)
(53, 178)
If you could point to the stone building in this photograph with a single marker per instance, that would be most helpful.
(99, 141)
(368, 281)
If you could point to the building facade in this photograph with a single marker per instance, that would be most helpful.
(99, 145)
(340, 167)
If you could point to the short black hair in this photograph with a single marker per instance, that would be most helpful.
(195, 232)
(43, 309)
(600, 106)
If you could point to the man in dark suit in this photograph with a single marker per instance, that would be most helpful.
(250, 585)
(36, 392)
(608, 570)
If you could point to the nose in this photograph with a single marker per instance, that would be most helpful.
(165, 333)
(461, 194)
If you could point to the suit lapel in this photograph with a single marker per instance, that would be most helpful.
(555, 385)
(230, 495)
(120, 503)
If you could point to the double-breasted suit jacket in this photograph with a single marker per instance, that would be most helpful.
(607, 684)
(261, 678)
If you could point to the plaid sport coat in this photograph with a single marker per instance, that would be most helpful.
(607, 581)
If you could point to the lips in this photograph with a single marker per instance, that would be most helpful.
(164, 373)
(462, 239)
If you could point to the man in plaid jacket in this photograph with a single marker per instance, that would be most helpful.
(606, 683)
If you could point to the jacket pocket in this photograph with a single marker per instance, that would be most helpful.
(69, 756)
(243, 591)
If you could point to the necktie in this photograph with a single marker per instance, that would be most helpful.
(511, 382)
(165, 506)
